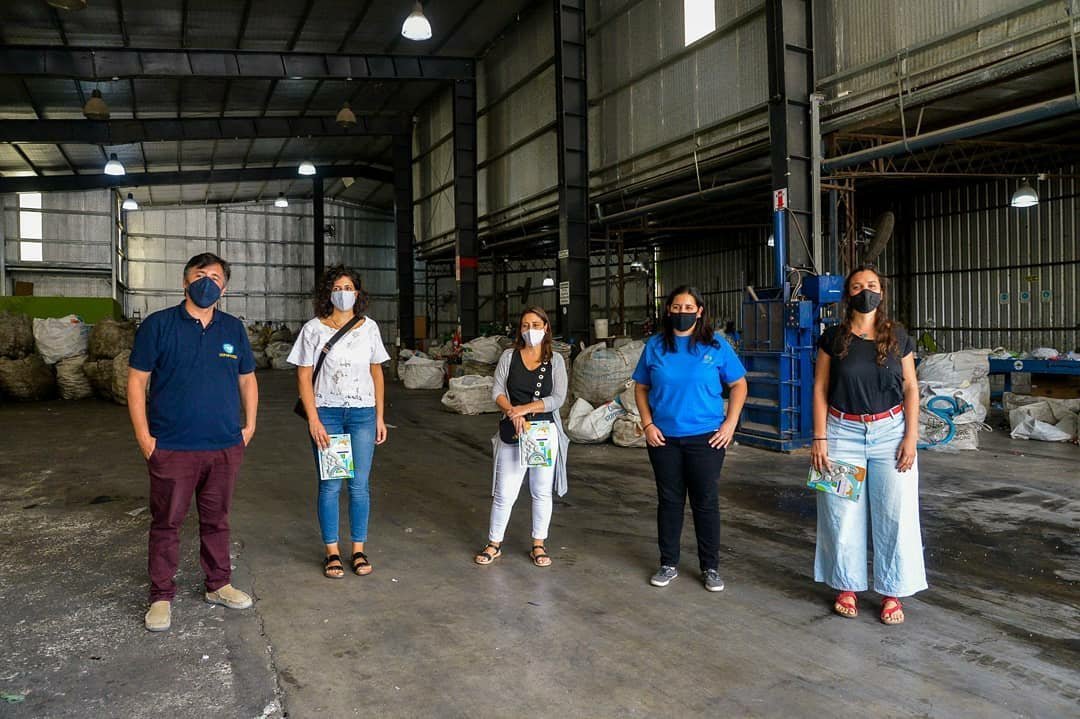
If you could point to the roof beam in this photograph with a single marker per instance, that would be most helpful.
(126, 132)
(73, 183)
(106, 63)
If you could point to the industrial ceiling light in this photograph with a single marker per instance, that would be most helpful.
(113, 166)
(416, 26)
(281, 201)
(130, 203)
(95, 108)
(68, 4)
(346, 117)
(306, 168)
(548, 282)
(1025, 196)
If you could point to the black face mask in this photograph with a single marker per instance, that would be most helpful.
(866, 301)
(682, 321)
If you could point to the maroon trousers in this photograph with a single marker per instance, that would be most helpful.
(176, 475)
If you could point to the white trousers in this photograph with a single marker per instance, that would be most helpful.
(509, 475)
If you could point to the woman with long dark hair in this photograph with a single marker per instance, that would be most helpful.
(530, 387)
(680, 382)
(345, 398)
(866, 413)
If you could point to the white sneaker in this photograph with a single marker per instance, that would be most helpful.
(159, 617)
(229, 596)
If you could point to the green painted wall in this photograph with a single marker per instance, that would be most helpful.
(89, 309)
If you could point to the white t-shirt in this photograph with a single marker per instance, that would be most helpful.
(345, 377)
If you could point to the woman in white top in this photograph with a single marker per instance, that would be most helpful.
(345, 398)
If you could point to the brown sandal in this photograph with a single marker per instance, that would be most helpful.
(483, 557)
(537, 558)
(327, 569)
(360, 564)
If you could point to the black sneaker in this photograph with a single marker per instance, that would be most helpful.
(713, 582)
(663, 576)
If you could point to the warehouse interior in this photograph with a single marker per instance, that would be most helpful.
(471, 158)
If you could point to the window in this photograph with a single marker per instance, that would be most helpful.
(30, 227)
(700, 18)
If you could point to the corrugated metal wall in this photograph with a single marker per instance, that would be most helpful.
(77, 245)
(720, 267)
(656, 102)
(271, 254)
(983, 274)
(865, 46)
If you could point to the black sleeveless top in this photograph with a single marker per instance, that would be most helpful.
(522, 387)
(857, 383)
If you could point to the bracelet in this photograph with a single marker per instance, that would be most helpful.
(650, 424)
(821, 439)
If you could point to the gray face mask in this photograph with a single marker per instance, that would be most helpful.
(344, 300)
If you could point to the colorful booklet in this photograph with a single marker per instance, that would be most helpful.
(535, 444)
(839, 478)
(336, 461)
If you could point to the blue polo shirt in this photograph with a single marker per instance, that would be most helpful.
(686, 386)
(194, 382)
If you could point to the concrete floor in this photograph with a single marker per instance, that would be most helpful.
(431, 634)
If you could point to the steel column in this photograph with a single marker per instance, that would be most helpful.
(467, 244)
(572, 114)
(403, 217)
(318, 210)
(789, 30)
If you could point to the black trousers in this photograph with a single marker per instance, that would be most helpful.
(688, 466)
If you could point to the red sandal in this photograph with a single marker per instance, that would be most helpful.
(845, 605)
(888, 613)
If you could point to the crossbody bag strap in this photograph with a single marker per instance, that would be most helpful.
(330, 345)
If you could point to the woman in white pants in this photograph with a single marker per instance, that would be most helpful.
(530, 387)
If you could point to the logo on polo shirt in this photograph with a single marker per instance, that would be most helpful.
(228, 351)
(707, 359)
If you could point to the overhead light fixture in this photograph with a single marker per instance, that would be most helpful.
(95, 108)
(130, 203)
(306, 168)
(348, 182)
(113, 166)
(548, 282)
(68, 4)
(416, 26)
(771, 242)
(281, 201)
(637, 266)
(1025, 196)
(346, 117)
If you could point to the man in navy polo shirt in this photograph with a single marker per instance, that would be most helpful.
(198, 363)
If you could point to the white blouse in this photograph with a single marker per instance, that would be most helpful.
(345, 378)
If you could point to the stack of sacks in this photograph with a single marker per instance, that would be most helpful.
(422, 373)
(107, 365)
(1042, 418)
(470, 394)
(259, 336)
(627, 430)
(24, 376)
(481, 355)
(278, 352)
(59, 338)
(963, 376)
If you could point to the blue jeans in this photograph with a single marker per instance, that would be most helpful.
(359, 423)
(890, 501)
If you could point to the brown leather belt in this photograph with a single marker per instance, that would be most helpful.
(897, 410)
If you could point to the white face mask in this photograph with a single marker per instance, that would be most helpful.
(343, 299)
(534, 338)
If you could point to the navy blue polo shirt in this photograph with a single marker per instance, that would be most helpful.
(194, 381)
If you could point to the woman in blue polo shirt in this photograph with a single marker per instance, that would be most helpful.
(680, 381)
